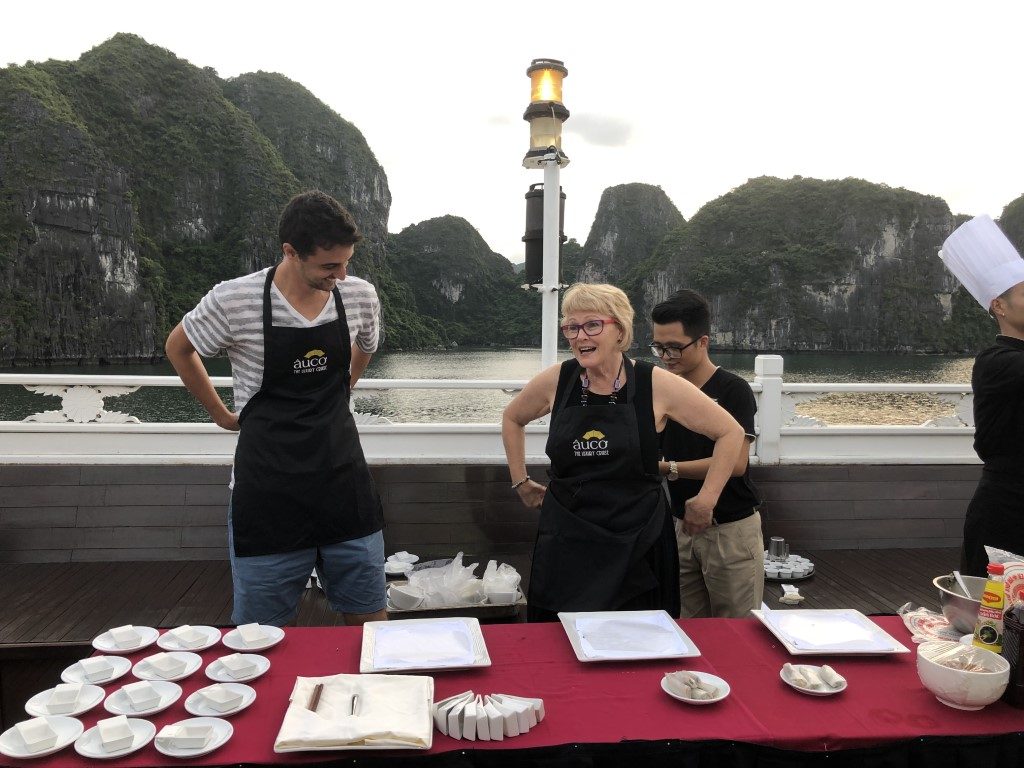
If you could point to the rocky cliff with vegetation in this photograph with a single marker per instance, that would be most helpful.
(631, 220)
(470, 293)
(804, 264)
(131, 181)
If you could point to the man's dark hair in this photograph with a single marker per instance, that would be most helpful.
(314, 220)
(686, 307)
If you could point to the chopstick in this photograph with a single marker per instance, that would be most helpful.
(314, 700)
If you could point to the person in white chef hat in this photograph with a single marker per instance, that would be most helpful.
(991, 269)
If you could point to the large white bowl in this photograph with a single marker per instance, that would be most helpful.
(957, 687)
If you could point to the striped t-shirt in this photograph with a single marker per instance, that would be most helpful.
(230, 318)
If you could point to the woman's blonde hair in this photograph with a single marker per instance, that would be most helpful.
(603, 299)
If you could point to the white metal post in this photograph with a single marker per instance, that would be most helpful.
(768, 373)
(549, 287)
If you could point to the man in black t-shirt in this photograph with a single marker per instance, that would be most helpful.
(721, 561)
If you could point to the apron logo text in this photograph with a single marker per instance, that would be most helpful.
(593, 443)
(313, 361)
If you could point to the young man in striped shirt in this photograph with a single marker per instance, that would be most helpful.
(298, 336)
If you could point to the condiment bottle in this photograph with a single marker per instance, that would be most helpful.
(988, 631)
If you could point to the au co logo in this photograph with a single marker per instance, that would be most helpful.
(593, 443)
(311, 362)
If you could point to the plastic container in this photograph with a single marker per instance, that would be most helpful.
(988, 631)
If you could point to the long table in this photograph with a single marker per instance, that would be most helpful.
(609, 713)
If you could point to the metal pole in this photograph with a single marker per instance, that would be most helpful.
(549, 286)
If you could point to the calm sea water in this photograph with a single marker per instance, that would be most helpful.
(173, 404)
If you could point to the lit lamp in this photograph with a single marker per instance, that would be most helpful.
(546, 112)
(545, 115)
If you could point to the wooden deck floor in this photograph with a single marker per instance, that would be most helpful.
(54, 603)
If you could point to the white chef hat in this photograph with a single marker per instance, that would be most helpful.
(981, 257)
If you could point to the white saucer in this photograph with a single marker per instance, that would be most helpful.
(826, 691)
(75, 674)
(274, 636)
(105, 642)
(397, 568)
(145, 671)
(117, 703)
(89, 744)
(91, 696)
(196, 704)
(68, 729)
(168, 642)
(222, 731)
(216, 672)
(705, 677)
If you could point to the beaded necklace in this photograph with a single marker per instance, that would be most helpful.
(616, 386)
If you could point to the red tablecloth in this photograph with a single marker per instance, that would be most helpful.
(610, 702)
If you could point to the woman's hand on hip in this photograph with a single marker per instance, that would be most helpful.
(698, 516)
(532, 493)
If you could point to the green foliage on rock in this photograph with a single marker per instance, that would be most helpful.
(471, 292)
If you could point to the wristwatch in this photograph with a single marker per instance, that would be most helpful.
(673, 471)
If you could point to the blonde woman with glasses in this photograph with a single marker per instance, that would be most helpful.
(604, 537)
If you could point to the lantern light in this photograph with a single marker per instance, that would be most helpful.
(546, 112)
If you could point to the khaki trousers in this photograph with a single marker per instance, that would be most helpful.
(721, 571)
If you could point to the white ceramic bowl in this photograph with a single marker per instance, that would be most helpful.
(960, 688)
(405, 597)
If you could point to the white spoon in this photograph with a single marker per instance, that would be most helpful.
(960, 581)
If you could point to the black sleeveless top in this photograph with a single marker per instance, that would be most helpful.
(643, 404)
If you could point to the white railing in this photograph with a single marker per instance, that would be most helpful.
(82, 430)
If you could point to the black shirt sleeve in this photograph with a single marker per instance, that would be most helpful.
(738, 400)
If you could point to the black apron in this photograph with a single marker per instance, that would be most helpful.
(301, 479)
(994, 517)
(602, 514)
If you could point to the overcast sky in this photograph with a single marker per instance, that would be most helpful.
(694, 98)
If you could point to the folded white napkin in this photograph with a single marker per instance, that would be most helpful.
(391, 711)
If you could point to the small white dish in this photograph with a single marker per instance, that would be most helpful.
(89, 744)
(397, 568)
(826, 690)
(91, 696)
(403, 557)
(233, 639)
(145, 671)
(217, 672)
(222, 731)
(68, 729)
(196, 704)
(118, 703)
(169, 642)
(105, 643)
(705, 677)
(75, 673)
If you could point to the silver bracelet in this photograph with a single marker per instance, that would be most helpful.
(521, 482)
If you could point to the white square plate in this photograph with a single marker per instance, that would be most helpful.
(665, 640)
(427, 635)
(834, 632)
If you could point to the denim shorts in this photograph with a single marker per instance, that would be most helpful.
(268, 588)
